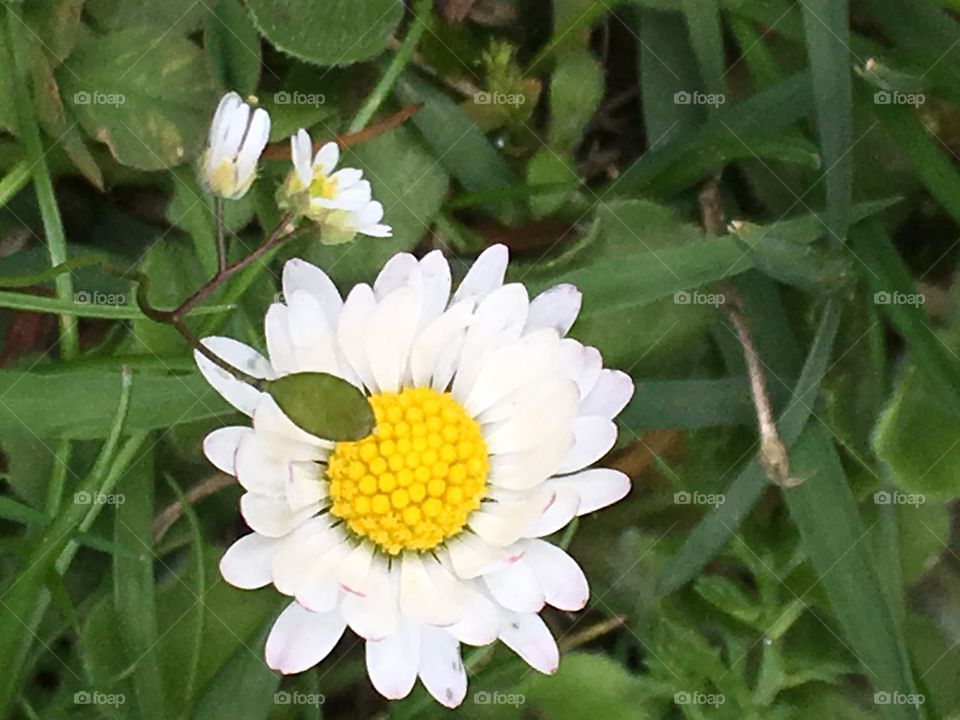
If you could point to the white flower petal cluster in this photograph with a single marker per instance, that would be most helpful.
(238, 135)
(341, 201)
(429, 533)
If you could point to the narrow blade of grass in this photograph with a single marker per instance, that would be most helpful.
(827, 33)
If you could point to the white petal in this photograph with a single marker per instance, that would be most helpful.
(510, 368)
(327, 157)
(221, 445)
(390, 337)
(563, 582)
(555, 308)
(543, 415)
(499, 319)
(298, 550)
(425, 595)
(598, 488)
(441, 668)
(272, 517)
(392, 663)
(557, 514)
(375, 615)
(528, 468)
(300, 150)
(515, 587)
(314, 341)
(236, 128)
(471, 556)
(279, 341)
(304, 486)
(436, 284)
(347, 177)
(318, 590)
(352, 331)
(253, 145)
(300, 275)
(258, 472)
(401, 269)
(502, 523)
(241, 395)
(528, 636)
(481, 621)
(354, 569)
(442, 338)
(594, 437)
(486, 273)
(609, 396)
(300, 639)
(246, 564)
(225, 109)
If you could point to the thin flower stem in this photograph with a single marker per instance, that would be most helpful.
(418, 23)
(281, 151)
(175, 317)
(221, 242)
(773, 453)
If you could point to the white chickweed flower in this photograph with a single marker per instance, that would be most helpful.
(341, 202)
(236, 141)
(429, 532)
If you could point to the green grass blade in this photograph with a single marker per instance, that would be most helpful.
(26, 599)
(827, 33)
(838, 547)
(133, 587)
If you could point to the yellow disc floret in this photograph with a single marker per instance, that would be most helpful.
(411, 484)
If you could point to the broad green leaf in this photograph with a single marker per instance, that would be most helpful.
(34, 403)
(148, 97)
(323, 405)
(576, 88)
(713, 531)
(243, 689)
(827, 30)
(171, 16)
(916, 436)
(327, 32)
(587, 685)
(233, 45)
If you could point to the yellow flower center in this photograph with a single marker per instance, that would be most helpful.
(324, 187)
(411, 484)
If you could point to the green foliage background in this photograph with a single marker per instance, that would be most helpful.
(597, 138)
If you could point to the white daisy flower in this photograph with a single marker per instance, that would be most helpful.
(429, 532)
(236, 141)
(339, 201)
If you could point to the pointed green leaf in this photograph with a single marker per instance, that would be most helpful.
(323, 405)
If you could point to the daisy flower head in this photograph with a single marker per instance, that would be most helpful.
(339, 201)
(430, 532)
(238, 135)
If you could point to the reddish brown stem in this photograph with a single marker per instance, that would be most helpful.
(281, 151)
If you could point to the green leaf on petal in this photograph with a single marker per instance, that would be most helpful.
(323, 405)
